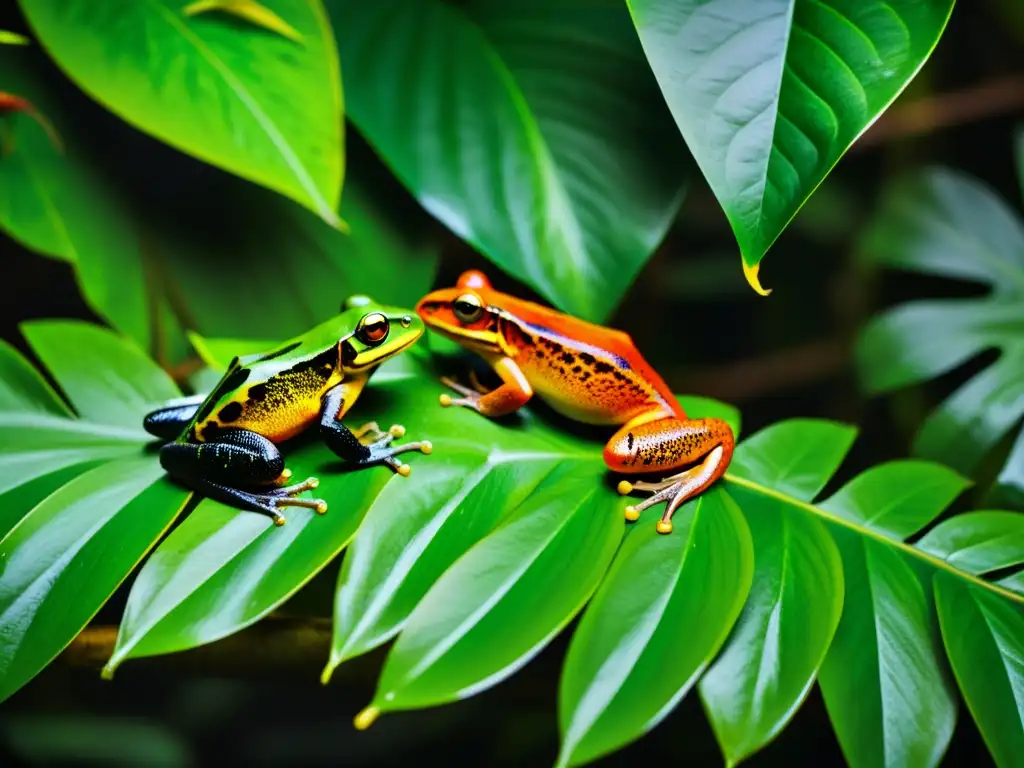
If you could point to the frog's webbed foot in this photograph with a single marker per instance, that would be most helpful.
(383, 452)
(470, 398)
(676, 490)
(271, 501)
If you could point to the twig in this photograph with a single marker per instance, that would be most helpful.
(945, 110)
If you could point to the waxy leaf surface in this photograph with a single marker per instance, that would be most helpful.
(264, 107)
(769, 95)
(533, 130)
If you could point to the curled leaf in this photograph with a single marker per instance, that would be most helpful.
(249, 10)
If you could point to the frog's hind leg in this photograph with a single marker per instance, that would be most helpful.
(669, 444)
(235, 468)
(170, 421)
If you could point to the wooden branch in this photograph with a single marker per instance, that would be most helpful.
(1003, 95)
(274, 644)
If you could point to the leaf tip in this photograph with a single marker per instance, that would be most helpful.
(366, 718)
(750, 273)
(13, 38)
(325, 676)
(107, 673)
(251, 11)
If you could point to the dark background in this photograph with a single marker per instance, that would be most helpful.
(255, 699)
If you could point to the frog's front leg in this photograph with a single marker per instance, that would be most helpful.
(514, 392)
(170, 421)
(234, 468)
(657, 442)
(347, 444)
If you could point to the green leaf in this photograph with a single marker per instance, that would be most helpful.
(626, 667)
(222, 570)
(769, 96)
(107, 378)
(54, 202)
(884, 679)
(897, 498)
(978, 542)
(23, 389)
(766, 670)
(250, 11)
(795, 457)
(533, 130)
(944, 223)
(508, 596)
(65, 558)
(13, 38)
(984, 637)
(251, 102)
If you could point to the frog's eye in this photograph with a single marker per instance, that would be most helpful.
(467, 308)
(373, 329)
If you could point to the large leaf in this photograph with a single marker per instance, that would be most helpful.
(628, 665)
(533, 130)
(53, 202)
(95, 515)
(245, 99)
(770, 95)
(944, 223)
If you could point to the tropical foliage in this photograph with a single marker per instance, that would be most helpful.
(541, 135)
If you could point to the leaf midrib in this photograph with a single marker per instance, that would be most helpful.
(901, 546)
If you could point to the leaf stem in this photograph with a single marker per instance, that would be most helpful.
(909, 549)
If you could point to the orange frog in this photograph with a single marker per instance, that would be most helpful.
(589, 373)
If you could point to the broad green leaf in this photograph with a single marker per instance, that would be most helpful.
(898, 498)
(660, 616)
(54, 202)
(795, 457)
(107, 379)
(223, 569)
(884, 679)
(533, 130)
(251, 102)
(766, 669)
(984, 637)
(407, 541)
(62, 561)
(403, 548)
(23, 389)
(35, 486)
(503, 601)
(770, 95)
(944, 223)
(978, 542)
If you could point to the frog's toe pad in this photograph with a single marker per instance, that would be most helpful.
(404, 470)
(664, 526)
(397, 430)
(625, 487)
(426, 447)
(445, 399)
(632, 513)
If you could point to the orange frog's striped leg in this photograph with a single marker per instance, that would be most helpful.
(653, 442)
(514, 392)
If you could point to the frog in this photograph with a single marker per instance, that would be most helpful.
(226, 444)
(585, 372)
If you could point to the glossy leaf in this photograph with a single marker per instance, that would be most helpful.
(23, 389)
(944, 223)
(766, 669)
(533, 130)
(250, 11)
(107, 379)
(62, 561)
(898, 498)
(503, 601)
(795, 457)
(978, 542)
(984, 637)
(629, 664)
(251, 102)
(884, 680)
(769, 96)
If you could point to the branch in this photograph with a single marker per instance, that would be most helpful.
(925, 115)
(274, 644)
